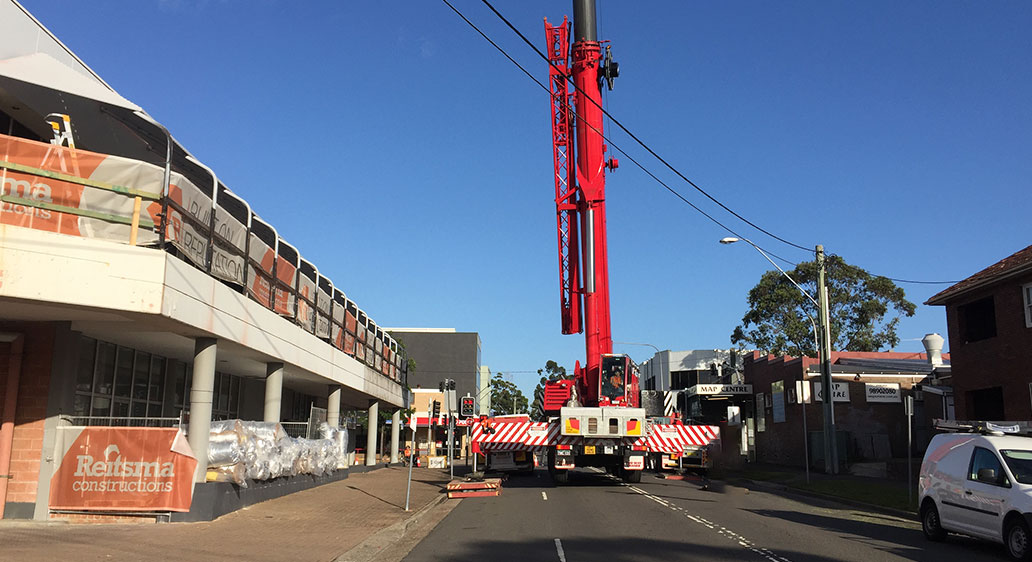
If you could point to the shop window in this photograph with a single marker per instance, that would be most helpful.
(124, 372)
(87, 363)
(977, 320)
(157, 379)
(141, 376)
(101, 406)
(104, 377)
(118, 382)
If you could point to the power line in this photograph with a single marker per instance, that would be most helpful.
(610, 141)
(641, 142)
(645, 146)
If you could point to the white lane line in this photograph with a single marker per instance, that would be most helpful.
(559, 549)
(544, 496)
(723, 531)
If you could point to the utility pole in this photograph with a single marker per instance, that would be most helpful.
(830, 449)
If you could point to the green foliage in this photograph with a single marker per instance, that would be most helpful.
(858, 304)
(551, 373)
(506, 397)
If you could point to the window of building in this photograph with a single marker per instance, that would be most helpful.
(1026, 292)
(986, 403)
(113, 382)
(977, 320)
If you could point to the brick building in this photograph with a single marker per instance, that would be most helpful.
(990, 326)
(869, 389)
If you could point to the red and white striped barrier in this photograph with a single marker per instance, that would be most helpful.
(674, 438)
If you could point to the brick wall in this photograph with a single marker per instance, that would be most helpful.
(783, 442)
(30, 414)
(1004, 360)
(93, 518)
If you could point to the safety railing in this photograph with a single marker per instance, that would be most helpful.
(184, 208)
(116, 421)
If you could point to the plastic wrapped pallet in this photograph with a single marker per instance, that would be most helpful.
(224, 426)
(236, 473)
(225, 448)
(269, 431)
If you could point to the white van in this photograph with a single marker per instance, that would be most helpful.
(979, 483)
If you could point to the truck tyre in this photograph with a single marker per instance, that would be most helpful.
(930, 523)
(632, 476)
(561, 477)
(1016, 536)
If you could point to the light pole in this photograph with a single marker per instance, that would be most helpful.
(824, 346)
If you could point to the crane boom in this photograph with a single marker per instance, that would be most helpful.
(578, 149)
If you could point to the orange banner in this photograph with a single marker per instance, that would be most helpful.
(125, 469)
(81, 164)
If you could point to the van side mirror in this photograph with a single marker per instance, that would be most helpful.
(987, 475)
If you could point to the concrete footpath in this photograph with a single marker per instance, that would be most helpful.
(357, 519)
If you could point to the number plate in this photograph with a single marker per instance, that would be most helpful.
(589, 449)
(521, 456)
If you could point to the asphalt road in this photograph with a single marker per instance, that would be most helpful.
(597, 518)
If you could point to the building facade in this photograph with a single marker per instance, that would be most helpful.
(137, 289)
(442, 353)
(786, 421)
(989, 316)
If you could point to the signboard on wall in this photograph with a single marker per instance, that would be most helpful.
(712, 389)
(840, 392)
(125, 469)
(882, 391)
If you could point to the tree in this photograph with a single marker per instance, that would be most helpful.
(858, 304)
(551, 373)
(506, 397)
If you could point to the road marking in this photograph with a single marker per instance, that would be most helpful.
(544, 496)
(559, 549)
(723, 531)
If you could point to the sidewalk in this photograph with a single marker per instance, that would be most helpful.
(319, 524)
(874, 493)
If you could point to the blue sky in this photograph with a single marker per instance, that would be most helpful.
(411, 162)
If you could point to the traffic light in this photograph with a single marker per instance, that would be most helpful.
(466, 407)
(446, 384)
(437, 410)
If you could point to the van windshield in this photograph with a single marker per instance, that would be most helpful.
(1020, 464)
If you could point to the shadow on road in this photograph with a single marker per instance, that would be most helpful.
(908, 543)
(608, 549)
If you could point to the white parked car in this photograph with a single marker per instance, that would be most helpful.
(979, 484)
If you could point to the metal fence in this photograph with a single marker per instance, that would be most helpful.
(122, 421)
(295, 429)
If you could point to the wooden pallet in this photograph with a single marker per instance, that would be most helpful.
(474, 488)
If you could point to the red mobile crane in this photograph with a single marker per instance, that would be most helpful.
(598, 409)
(595, 419)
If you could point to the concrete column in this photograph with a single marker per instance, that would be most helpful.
(374, 419)
(273, 391)
(333, 406)
(201, 390)
(395, 434)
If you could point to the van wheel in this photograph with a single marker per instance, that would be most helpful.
(1017, 539)
(930, 523)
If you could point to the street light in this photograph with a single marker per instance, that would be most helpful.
(633, 343)
(830, 450)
